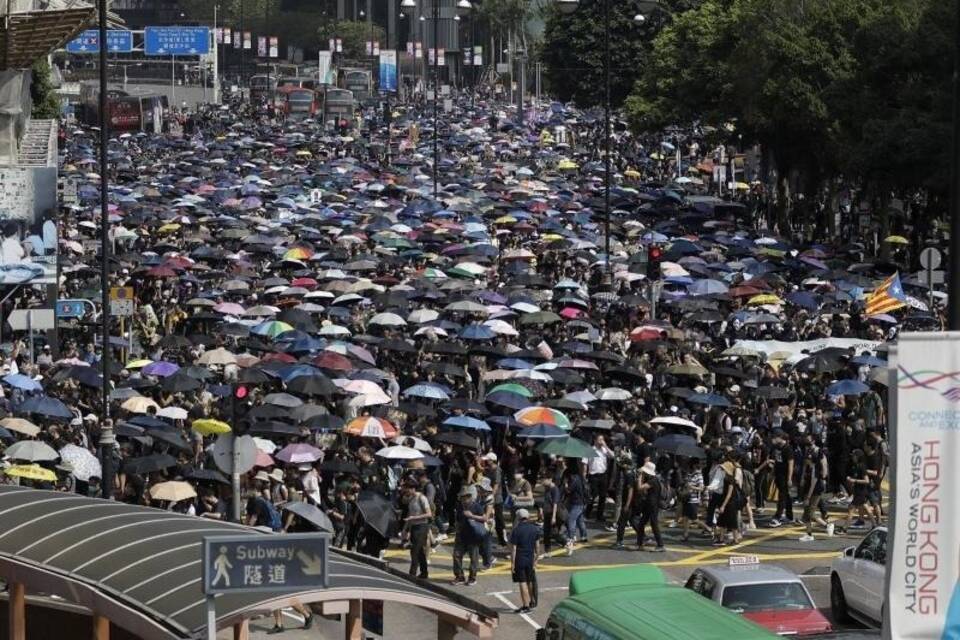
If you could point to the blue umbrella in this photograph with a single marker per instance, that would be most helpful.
(707, 287)
(45, 406)
(514, 363)
(6, 435)
(803, 299)
(20, 381)
(870, 361)
(428, 390)
(466, 422)
(508, 400)
(477, 332)
(711, 399)
(847, 388)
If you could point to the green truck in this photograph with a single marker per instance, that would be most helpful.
(636, 603)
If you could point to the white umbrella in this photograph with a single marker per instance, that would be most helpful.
(267, 446)
(421, 316)
(399, 452)
(388, 320)
(85, 464)
(370, 399)
(217, 356)
(31, 451)
(414, 442)
(501, 327)
(613, 393)
(173, 413)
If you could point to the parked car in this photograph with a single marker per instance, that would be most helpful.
(857, 580)
(773, 597)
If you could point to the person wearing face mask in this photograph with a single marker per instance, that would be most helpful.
(521, 493)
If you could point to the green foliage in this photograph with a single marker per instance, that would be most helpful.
(354, 35)
(574, 52)
(46, 102)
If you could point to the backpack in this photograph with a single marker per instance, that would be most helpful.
(276, 522)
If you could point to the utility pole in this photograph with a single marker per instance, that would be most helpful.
(436, 96)
(106, 435)
(953, 285)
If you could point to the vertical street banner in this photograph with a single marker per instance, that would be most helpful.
(478, 56)
(430, 54)
(442, 61)
(923, 560)
(274, 47)
(227, 36)
(247, 40)
(419, 50)
(388, 70)
(262, 46)
(323, 66)
(409, 48)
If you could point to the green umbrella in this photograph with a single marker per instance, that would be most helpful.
(567, 448)
(512, 387)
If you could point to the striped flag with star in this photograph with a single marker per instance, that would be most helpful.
(887, 297)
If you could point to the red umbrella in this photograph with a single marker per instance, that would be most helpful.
(333, 361)
(162, 272)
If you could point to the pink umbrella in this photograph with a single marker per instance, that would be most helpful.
(263, 460)
(229, 308)
(299, 453)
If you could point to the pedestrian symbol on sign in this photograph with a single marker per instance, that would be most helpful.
(222, 566)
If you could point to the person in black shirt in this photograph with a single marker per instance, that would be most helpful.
(524, 551)
(783, 461)
(647, 499)
(812, 486)
(551, 508)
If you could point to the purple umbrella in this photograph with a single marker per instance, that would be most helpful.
(299, 453)
(161, 369)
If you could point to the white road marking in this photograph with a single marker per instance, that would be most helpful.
(541, 590)
(502, 598)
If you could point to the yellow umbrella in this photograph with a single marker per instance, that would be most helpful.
(896, 240)
(167, 228)
(31, 472)
(138, 364)
(303, 153)
(20, 425)
(765, 298)
(567, 165)
(632, 173)
(172, 491)
(505, 220)
(209, 426)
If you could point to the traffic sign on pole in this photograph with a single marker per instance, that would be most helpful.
(176, 41)
(930, 258)
(245, 563)
(118, 41)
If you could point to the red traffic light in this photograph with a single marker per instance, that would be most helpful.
(240, 392)
(654, 253)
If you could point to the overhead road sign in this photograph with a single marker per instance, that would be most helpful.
(291, 562)
(118, 41)
(176, 41)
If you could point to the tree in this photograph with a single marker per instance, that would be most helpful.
(46, 102)
(355, 35)
(573, 52)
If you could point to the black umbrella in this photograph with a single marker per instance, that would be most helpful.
(171, 438)
(149, 464)
(317, 385)
(268, 412)
(418, 409)
(45, 406)
(624, 373)
(339, 466)
(377, 511)
(206, 475)
(819, 364)
(457, 439)
(311, 514)
(323, 422)
(149, 422)
(179, 383)
(467, 406)
(253, 376)
(680, 445)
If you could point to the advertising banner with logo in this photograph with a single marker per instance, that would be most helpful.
(274, 47)
(388, 70)
(923, 557)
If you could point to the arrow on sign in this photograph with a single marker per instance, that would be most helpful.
(312, 565)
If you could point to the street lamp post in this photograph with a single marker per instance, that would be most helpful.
(569, 6)
(436, 95)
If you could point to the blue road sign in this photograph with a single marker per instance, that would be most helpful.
(72, 308)
(176, 41)
(118, 41)
(289, 562)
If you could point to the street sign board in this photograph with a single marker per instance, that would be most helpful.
(931, 277)
(176, 41)
(122, 303)
(289, 562)
(223, 453)
(31, 319)
(72, 308)
(930, 258)
(118, 41)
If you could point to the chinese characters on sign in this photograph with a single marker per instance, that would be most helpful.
(265, 562)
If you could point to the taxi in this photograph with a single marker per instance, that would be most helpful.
(770, 596)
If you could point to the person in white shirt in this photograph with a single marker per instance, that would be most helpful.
(597, 478)
(311, 483)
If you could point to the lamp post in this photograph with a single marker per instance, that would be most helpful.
(436, 95)
(106, 483)
(569, 6)
(408, 5)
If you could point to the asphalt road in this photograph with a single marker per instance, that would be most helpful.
(495, 589)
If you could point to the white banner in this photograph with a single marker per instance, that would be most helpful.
(769, 347)
(323, 67)
(923, 594)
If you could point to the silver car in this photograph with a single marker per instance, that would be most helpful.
(857, 580)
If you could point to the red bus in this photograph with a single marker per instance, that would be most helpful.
(299, 102)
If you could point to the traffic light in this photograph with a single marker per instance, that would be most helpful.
(238, 408)
(654, 256)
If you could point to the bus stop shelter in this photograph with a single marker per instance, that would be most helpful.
(141, 569)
